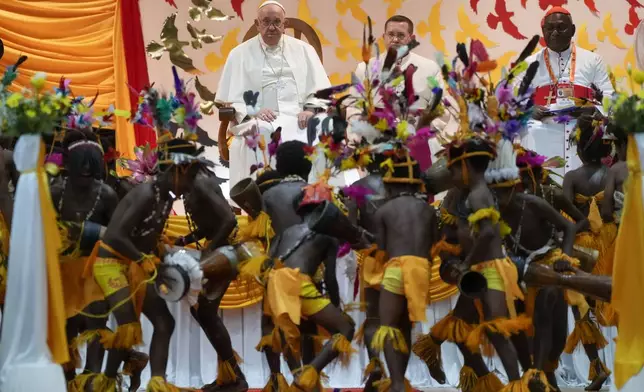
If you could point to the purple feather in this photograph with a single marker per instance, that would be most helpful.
(344, 250)
(357, 193)
(563, 119)
(504, 94)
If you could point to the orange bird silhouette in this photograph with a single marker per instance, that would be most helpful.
(474, 5)
(633, 17)
(504, 17)
(546, 4)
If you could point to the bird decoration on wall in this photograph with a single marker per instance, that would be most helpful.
(237, 7)
(610, 32)
(434, 27)
(200, 37)
(171, 44)
(203, 8)
(174, 46)
(504, 17)
(207, 98)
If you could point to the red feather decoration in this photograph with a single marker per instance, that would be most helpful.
(237, 7)
(590, 4)
(474, 4)
(171, 2)
(546, 4)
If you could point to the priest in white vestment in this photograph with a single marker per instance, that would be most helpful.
(399, 31)
(285, 71)
(565, 71)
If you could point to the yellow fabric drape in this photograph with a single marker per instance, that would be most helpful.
(628, 274)
(240, 293)
(56, 335)
(80, 40)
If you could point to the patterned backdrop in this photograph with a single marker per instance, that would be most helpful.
(604, 26)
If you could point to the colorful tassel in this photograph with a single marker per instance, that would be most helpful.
(343, 347)
(451, 329)
(596, 367)
(585, 332)
(503, 326)
(276, 383)
(125, 337)
(427, 350)
(488, 383)
(397, 339)
(159, 384)
(467, 379)
(374, 364)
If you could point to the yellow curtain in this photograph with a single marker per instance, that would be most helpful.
(628, 273)
(80, 40)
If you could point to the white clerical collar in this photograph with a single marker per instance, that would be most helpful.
(563, 54)
(268, 48)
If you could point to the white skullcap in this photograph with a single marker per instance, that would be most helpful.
(269, 2)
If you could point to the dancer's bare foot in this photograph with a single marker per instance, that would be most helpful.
(437, 373)
(598, 382)
(238, 386)
(374, 376)
(134, 365)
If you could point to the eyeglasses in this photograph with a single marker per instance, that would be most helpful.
(267, 23)
(559, 28)
(397, 36)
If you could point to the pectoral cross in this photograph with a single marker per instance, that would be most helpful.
(551, 96)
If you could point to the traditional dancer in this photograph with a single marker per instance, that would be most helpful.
(370, 261)
(210, 217)
(617, 174)
(585, 187)
(83, 200)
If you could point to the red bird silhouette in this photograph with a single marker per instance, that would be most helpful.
(523, 3)
(504, 17)
(633, 20)
(546, 4)
(635, 4)
(171, 2)
(237, 7)
(474, 5)
(590, 4)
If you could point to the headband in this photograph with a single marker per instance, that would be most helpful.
(555, 10)
(269, 2)
(84, 143)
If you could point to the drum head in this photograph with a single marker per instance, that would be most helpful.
(172, 283)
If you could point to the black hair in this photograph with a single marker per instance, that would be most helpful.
(78, 156)
(268, 179)
(401, 18)
(291, 159)
(618, 132)
(177, 146)
(591, 150)
(477, 162)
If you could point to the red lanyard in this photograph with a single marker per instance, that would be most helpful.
(573, 62)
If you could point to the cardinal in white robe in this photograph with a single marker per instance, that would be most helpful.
(565, 71)
(285, 71)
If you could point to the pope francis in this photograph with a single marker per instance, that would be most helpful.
(284, 72)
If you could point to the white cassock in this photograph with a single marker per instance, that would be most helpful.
(285, 76)
(426, 68)
(573, 71)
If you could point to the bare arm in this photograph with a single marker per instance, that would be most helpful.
(130, 212)
(608, 205)
(569, 187)
(547, 212)
(486, 229)
(381, 230)
(330, 278)
(214, 196)
(567, 206)
(354, 212)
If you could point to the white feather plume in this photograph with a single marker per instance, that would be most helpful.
(186, 260)
(504, 167)
(362, 128)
